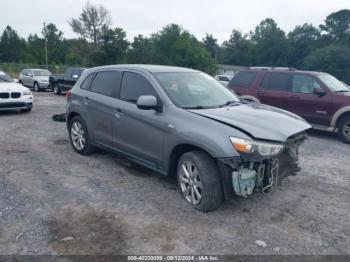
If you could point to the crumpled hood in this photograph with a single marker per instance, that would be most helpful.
(11, 87)
(259, 121)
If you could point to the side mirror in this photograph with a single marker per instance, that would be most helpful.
(75, 76)
(30, 75)
(319, 91)
(147, 103)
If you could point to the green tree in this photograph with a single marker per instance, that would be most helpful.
(211, 45)
(57, 48)
(12, 46)
(175, 46)
(271, 45)
(337, 26)
(237, 50)
(303, 39)
(91, 23)
(141, 51)
(333, 59)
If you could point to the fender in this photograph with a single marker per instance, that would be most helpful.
(251, 98)
(338, 114)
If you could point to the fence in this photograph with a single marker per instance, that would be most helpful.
(14, 69)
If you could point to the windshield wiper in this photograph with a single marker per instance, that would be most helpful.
(231, 102)
(196, 107)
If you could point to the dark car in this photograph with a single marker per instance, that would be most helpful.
(65, 82)
(318, 97)
(182, 122)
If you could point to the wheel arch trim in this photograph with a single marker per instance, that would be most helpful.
(338, 114)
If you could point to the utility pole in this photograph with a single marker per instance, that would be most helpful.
(46, 61)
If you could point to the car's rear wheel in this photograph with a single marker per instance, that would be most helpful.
(199, 180)
(79, 136)
(27, 110)
(56, 90)
(36, 87)
(344, 129)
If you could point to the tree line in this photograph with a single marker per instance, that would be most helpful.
(323, 48)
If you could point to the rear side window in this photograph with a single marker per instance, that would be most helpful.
(243, 79)
(86, 83)
(277, 81)
(106, 83)
(135, 85)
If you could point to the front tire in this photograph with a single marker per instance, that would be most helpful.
(344, 129)
(200, 181)
(79, 136)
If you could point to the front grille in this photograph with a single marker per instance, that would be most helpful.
(16, 95)
(12, 105)
(4, 95)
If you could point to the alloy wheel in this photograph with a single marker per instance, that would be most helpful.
(78, 135)
(190, 182)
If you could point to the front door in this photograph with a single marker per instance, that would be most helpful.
(138, 132)
(316, 109)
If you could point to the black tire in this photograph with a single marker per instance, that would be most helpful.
(27, 110)
(211, 191)
(56, 90)
(88, 148)
(343, 129)
(37, 87)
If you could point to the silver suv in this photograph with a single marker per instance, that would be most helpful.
(182, 122)
(37, 79)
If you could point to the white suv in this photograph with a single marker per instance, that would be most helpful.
(38, 79)
(14, 96)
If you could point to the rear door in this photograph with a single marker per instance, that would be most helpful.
(100, 103)
(139, 132)
(314, 108)
(275, 90)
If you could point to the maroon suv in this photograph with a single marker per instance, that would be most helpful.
(319, 98)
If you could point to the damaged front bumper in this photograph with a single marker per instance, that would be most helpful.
(246, 174)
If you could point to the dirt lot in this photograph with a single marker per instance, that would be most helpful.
(54, 201)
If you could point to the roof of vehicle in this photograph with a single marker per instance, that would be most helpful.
(149, 68)
(282, 70)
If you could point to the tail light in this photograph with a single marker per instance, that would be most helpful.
(68, 94)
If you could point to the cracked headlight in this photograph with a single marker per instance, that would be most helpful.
(251, 146)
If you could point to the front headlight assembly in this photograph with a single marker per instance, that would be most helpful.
(251, 146)
(27, 93)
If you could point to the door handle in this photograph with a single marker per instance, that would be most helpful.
(294, 97)
(260, 93)
(87, 100)
(118, 113)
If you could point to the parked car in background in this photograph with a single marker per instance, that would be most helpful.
(14, 96)
(182, 122)
(223, 79)
(64, 82)
(318, 97)
(38, 79)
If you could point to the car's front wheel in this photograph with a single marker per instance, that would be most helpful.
(79, 136)
(199, 180)
(344, 129)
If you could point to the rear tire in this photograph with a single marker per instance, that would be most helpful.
(200, 184)
(56, 90)
(344, 129)
(79, 136)
(27, 110)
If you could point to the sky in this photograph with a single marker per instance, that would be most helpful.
(149, 16)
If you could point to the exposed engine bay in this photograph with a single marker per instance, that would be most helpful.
(260, 175)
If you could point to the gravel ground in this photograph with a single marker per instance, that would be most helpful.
(54, 201)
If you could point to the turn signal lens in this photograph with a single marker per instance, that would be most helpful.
(241, 145)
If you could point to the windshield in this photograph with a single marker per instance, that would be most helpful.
(195, 90)
(332, 83)
(41, 72)
(5, 77)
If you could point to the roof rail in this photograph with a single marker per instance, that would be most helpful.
(272, 68)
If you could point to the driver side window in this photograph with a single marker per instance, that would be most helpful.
(304, 84)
